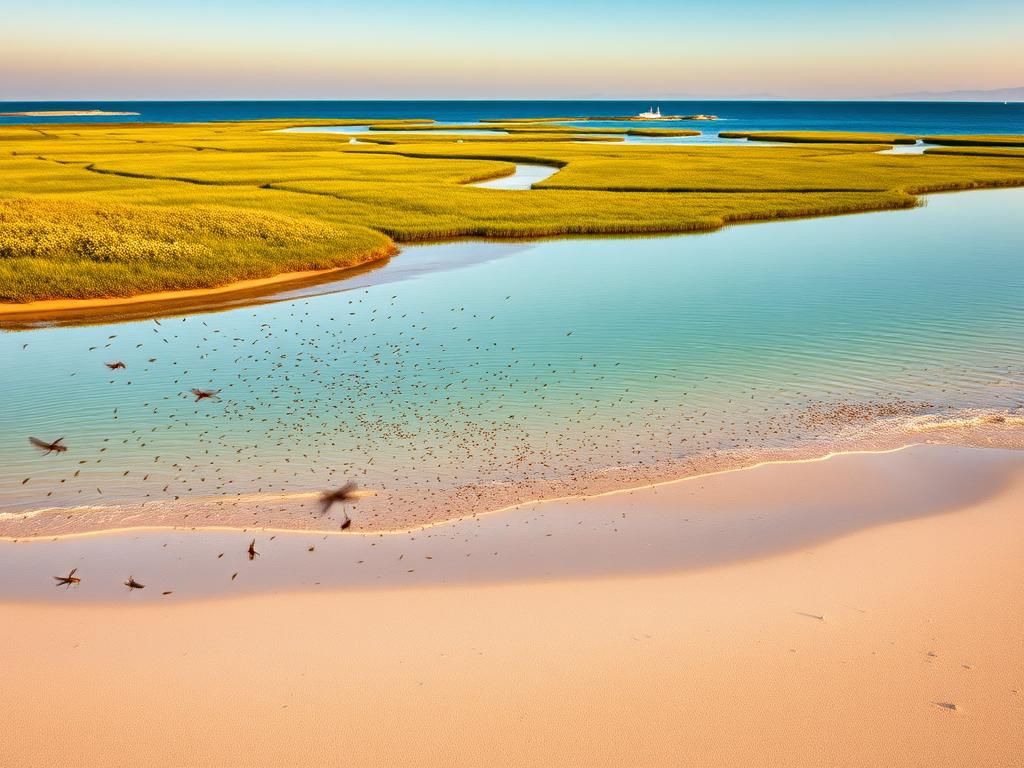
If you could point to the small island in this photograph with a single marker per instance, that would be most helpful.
(68, 113)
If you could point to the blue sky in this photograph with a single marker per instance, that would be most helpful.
(100, 49)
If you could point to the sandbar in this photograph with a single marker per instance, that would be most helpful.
(897, 644)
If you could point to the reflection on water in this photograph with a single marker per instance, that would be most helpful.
(524, 177)
(918, 148)
(449, 387)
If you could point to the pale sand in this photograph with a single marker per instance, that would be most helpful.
(720, 666)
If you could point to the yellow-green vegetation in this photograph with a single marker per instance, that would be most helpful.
(117, 210)
(66, 248)
(525, 128)
(975, 141)
(821, 168)
(452, 136)
(534, 127)
(978, 151)
(820, 137)
(847, 137)
(662, 132)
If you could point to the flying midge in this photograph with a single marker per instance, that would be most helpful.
(56, 446)
(67, 581)
(133, 584)
(204, 394)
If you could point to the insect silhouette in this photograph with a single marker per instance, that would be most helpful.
(348, 493)
(206, 394)
(56, 446)
(133, 584)
(67, 581)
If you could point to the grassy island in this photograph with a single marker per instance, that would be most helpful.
(92, 211)
(820, 137)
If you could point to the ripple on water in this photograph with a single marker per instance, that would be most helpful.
(460, 387)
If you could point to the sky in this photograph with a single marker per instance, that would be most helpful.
(523, 49)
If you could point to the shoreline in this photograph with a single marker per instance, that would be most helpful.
(899, 639)
(377, 533)
(971, 430)
(13, 311)
(687, 526)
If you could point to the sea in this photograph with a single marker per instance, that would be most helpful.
(890, 116)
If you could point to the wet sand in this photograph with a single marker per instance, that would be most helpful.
(848, 428)
(895, 644)
(695, 523)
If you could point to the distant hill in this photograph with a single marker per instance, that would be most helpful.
(996, 94)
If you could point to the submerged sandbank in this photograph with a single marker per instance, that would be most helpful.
(896, 645)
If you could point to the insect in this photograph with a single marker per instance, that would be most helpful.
(133, 584)
(67, 581)
(204, 394)
(349, 492)
(55, 446)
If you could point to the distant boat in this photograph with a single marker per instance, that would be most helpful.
(654, 113)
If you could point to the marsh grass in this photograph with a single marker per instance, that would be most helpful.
(975, 141)
(978, 151)
(849, 137)
(116, 210)
(662, 132)
(820, 137)
(51, 248)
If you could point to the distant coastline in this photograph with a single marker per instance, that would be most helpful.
(68, 113)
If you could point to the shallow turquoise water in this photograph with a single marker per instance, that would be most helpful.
(482, 363)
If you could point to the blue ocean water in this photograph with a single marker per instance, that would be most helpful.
(903, 117)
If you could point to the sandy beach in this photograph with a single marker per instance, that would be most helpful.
(896, 640)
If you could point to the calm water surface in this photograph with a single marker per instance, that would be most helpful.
(893, 116)
(484, 364)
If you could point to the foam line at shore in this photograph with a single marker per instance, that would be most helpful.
(724, 518)
(978, 428)
(350, 533)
